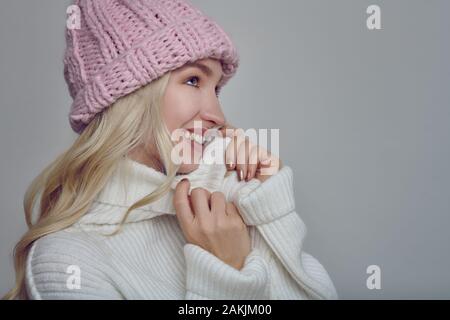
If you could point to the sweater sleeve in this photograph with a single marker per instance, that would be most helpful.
(58, 268)
(270, 206)
(208, 277)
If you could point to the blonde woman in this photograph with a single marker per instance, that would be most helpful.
(110, 218)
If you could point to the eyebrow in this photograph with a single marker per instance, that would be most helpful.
(204, 68)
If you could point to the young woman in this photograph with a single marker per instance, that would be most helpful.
(110, 219)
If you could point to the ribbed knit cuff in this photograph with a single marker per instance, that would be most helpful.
(261, 203)
(208, 277)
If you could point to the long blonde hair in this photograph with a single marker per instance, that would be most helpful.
(67, 187)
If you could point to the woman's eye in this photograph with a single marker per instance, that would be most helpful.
(196, 81)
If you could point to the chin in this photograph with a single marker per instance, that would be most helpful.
(191, 161)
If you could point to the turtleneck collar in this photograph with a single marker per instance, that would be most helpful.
(131, 181)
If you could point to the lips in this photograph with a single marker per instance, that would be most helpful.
(207, 134)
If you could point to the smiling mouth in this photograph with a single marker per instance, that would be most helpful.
(204, 144)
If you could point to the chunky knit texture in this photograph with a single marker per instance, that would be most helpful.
(150, 258)
(123, 45)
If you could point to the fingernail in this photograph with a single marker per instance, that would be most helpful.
(241, 174)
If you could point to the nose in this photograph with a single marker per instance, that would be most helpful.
(212, 113)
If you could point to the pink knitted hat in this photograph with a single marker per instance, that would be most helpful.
(122, 45)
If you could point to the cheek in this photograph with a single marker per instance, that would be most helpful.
(178, 109)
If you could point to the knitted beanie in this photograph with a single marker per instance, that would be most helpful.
(122, 45)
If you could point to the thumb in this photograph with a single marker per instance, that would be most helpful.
(181, 202)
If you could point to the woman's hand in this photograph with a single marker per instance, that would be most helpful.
(210, 222)
(248, 159)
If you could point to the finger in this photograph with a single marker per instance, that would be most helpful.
(242, 158)
(231, 209)
(181, 202)
(218, 203)
(230, 154)
(252, 162)
(233, 212)
(264, 162)
(268, 165)
(227, 130)
(200, 202)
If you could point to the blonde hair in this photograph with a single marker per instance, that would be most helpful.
(67, 187)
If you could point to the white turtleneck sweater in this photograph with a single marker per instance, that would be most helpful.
(150, 258)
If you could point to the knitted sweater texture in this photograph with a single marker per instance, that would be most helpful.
(150, 258)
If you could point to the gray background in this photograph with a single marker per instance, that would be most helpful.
(363, 118)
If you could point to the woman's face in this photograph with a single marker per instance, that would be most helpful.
(191, 96)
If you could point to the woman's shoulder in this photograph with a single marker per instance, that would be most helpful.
(64, 247)
(56, 260)
(68, 264)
